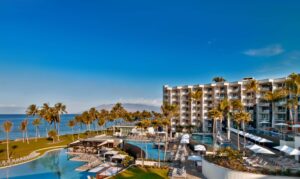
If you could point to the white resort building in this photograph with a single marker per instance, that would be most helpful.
(191, 111)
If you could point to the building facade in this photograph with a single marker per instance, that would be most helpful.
(193, 112)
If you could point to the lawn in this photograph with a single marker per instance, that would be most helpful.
(19, 149)
(144, 173)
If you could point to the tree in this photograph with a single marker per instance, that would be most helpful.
(218, 79)
(252, 87)
(52, 134)
(36, 123)
(197, 97)
(23, 128)
(292, 104)
(72, 124)
(170, 111)
(245, 119)
(143, 124)
(225, 107)
(293, 89)
(127, 161)
(117, 112)
(101, 122)
(166, 122)
(237, 117)
(215, 115)
(87, 120)
(272, 97)
(7, 125)
(60, 109)
(94, 116)
(32, 110)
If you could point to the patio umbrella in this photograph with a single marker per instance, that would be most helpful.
(292, 151)
(295, 126)
(199, 148)
(263, 140)
(195, 158)
(281, 148)
(263, 151)
(252, 147)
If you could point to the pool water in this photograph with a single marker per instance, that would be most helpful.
(149, 149)
(54, 164)
(203, 138)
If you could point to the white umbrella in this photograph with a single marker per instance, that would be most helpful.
(199, 148)
(295, 126)
(252, 147)
(263, 151)
(282, 148)
(281, 124)
(292, 151)
(195, 158)
(263, 140)
(264, 122)
(184, 141)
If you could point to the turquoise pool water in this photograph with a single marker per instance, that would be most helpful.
(53, 165)
(148, 147)
(203, 138)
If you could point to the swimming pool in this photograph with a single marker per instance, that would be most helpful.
(202, 139)
(149, 149)
(54, 164)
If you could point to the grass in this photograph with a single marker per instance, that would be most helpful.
(19, 149)
(144, 173)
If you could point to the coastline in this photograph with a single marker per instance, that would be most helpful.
(39, 156)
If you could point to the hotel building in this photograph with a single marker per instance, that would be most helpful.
(191, 112)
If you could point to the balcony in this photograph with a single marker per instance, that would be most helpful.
(265, 111)
(264, 104)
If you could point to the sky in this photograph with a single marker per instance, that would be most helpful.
(87, 53)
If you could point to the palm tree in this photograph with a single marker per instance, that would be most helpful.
(36, 122)
(225, 107)
(103, 115)
(60, 109)
(52, 134)
(246, 118)
(215, 115)
(197, 97)
(143, 124)
(23, 128)
(117, 112)
(293, 88)
(291, 104)
(170, 111)
(32, 110)
(78, 120)
(72, 124)
(272, 97)
(166, 122)
(237, 117)
(7, 125)
(237, 105)
(218, 79)
(87, 120)
(94, 116)
(252, 87)
(101, 122)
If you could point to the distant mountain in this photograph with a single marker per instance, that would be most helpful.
(131, 107)
(12, 110)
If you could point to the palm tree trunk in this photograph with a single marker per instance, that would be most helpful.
(244, 138)
(158, 154)
(7, 146)
(142, 156)
(166, 146)
(238, 137)
(27, 137)
(23, 133)
(72, 134)
(36, 133)
(273, 114)
(228, 126)
(58, 125)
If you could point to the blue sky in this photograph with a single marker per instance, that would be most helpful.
(86, 53)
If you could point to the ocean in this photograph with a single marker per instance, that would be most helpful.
(16, 119)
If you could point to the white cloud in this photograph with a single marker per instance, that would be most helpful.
(154, 102)
(268, 51)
